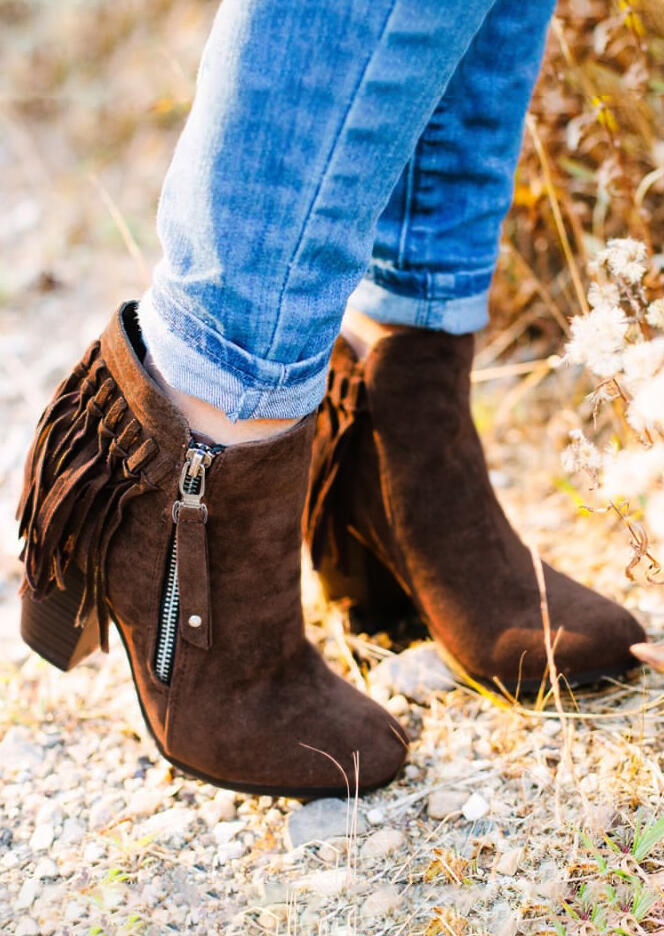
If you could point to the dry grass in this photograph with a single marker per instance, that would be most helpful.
(91, 99)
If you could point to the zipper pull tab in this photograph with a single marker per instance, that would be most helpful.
(190, 517)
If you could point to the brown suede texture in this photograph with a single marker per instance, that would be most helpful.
(250, 703)
(413, 487)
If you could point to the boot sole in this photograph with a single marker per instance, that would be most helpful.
(48, 628)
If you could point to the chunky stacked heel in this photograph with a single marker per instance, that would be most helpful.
(48, 626)
(376, 601)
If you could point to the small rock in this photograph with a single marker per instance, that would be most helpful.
(376, 816)
(49, 812)
(220, 809)
(551, 727)
(26, 927)
(231, 851)
(42, 837)
(6, 836)
(415, 674)
(46, 868)
(318, 821)
(17, 752)
(74, 911)
(326, 883)
(381, 902)
(397, 705)
(73, 832)
(381, 843)
(144, 802)
(499, 479)
(332, 851)
(443, 803)
(100, 814)
(93, 851)
(274, 916)
(9, 860)
(223, 832)
(508, 862)
(171, 823)
(475, 807)
(28, 893)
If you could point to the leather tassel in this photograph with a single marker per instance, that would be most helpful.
(85, 465)
(337, 419)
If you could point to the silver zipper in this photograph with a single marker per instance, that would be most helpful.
(192, 488)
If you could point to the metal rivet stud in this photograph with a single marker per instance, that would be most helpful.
(195, 620)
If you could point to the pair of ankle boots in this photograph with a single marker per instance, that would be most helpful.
(194, 551)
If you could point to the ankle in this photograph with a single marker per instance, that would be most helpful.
(208, 420)
(362, 332)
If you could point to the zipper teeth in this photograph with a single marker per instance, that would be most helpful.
(170, 603)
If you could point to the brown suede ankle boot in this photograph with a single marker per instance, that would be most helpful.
(194, 552)
(401, 512)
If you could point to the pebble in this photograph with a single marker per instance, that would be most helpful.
(397, 705)
(46, 868)
(381, 843)
(318, 821)
(49, 812)
(93, 851)
(223, 832)
(231, 851)
(414, 674)
(26, 926)
(73, 832)
(274, 916)
(28, 893)
(326, 883)
(508, 862)
(17, 752)
(74, 911)
(381, 902)
(100, 814)
(42, 837)
(220, 809)
(376, 816)
(144, 802)
(475, 807)
(443, 803)
(332, 851)
(169, 824)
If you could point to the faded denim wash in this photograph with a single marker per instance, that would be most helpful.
(335, 148)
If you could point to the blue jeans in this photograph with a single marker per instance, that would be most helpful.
(335, 149)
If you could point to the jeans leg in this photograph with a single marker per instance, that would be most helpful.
(305, 114)
(437, 240)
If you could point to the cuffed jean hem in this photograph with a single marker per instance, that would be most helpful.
(201, 363)
(457, 303)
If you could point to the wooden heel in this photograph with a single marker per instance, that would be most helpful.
(376, 600)
(48, 626)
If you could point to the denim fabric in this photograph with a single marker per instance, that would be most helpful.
(328, 139)
(436, 242)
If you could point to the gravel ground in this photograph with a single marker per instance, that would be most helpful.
(481, 833)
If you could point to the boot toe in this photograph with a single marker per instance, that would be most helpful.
(591, 636)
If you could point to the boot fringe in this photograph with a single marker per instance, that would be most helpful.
(85, 465)
(337, 422)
